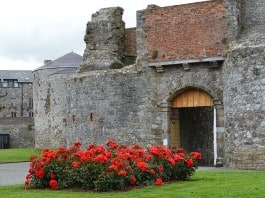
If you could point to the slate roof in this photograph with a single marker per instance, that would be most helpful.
(66, 61)
(20, 75)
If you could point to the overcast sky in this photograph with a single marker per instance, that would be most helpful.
(34, 30)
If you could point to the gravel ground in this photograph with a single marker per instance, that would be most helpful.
(13, 173)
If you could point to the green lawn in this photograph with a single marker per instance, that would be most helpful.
(203, 184)
(17, 154)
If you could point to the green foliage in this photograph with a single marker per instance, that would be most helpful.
(115, 167)
(154, 54)
(30, 127)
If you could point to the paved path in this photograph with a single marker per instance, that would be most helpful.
(13, 173)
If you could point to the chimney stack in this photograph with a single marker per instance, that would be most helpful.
(47, 62)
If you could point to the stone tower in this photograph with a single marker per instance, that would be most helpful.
(104, 40)
(244, 87)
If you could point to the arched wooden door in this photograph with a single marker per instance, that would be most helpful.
(192, 98)
(191, 123)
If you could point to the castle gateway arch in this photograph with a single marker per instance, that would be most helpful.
(192, 123)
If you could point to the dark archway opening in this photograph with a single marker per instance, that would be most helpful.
(196, 132)
(192, 124)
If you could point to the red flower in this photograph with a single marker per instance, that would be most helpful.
(160, 168)
(29, 176)
(108, 155)
(75, 164)
(152, 172)
(154, 150)
(122, 173)
(171, 161)
(133, 180)
(51, 155)
(26, 183)
(177, 158)
(166, 151)
(53, 184)
(142, 166)
(78, 144)
(52, 176)
(113, 167)
(40, 173)
(112, 144)
(148, 158)
(140, 152)
(196, 155)
(101, 158)
(180, 150)
(189, 163)
(158, 182)
(136, 146)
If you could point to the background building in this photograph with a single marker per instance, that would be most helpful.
(16, 107)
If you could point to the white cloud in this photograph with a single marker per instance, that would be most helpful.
(12, 64)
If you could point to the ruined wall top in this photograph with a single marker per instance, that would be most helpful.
(108, 14)
(104, 40)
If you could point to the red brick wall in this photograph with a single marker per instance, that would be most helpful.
(130, 41)
(188, 31)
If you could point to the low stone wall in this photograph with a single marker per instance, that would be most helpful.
(21, 131)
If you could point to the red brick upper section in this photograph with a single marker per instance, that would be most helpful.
(130, 41)
(188, 31)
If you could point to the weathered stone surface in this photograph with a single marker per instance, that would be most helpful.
(244, 85)
(16, 107)
(21, 131)
(104, 40)
(50, 106)
(244, 104)
(127, 106)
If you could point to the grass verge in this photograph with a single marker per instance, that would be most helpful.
(17, 154)
(203, 184)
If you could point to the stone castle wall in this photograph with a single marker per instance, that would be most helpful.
(244, 85)
(50, 106)
(111, 105)
(131, 104)
(244, 89)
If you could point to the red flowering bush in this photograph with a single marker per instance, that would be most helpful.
(108, 168)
